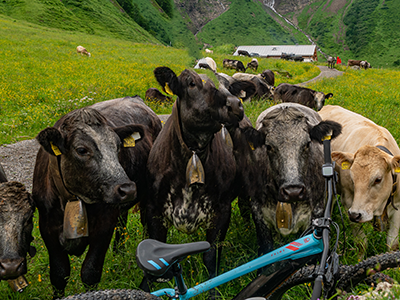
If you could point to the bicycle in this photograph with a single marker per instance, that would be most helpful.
(281, 268)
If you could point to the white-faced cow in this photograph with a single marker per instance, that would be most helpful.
(293, 189)
(191, 167)
(331, 62)
(367, 160)
(96, 155)
(286, 92)
(365, 65)
(233, 64)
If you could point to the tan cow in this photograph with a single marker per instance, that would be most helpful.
(82, 50)
(367, 172)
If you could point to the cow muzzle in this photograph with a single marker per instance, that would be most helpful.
(292, 193)
(125, 192)
(12, 268)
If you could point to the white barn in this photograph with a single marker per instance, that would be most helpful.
(308, 52)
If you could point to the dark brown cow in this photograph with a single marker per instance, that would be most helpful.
(154, 94)
(84, 157)
(191, 144)
(253, 64)
(233, 64)
(269, 77)
(352, 62)
(286, 92)
(244, 53)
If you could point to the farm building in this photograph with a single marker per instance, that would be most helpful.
(308, 52)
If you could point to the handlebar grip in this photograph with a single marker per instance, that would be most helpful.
(317, 288)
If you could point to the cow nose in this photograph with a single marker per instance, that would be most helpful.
(354, 216)
(127, 192)
(292, 193)
(11, 268)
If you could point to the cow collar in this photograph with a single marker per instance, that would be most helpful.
(394, 177)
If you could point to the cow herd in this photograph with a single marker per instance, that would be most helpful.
(97, 162)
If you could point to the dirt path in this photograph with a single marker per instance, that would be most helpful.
(18, 160)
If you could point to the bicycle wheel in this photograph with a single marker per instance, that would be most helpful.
(120, 294)
(349, 275)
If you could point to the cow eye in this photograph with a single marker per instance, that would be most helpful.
(81, 151)
(269, 147)
(192, 84)
(378, 180)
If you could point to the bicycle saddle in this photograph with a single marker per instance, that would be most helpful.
(156, 258)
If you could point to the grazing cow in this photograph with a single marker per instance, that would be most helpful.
(91, 155)
(331, 62)
(82, 51)
(233, 64)
(352, 62)
(206, 63)
(367, 160)
(269, 77)
(286, 92)
(244, 53)
(16, 224)
(209, 51)
(154, 94)
(191, 167)
(253, 64)
(264, 90)
(365, 65)
(293, 189)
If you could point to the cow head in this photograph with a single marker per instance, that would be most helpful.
(367, 179)
(87, 150)
(202, 107)
(293, 158)
(319, 98)
(16, 212)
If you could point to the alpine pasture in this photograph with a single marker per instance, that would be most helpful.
(43, 78)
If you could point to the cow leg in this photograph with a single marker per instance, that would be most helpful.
(392, 238)
(264, 235)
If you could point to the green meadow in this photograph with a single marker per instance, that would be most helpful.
(42, 78)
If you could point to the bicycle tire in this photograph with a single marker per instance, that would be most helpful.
(349, 275)
(117, 294)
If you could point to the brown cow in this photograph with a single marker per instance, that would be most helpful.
(367, 159)
(352, 62)
(82, 157)
(82, 50)
(154, 94)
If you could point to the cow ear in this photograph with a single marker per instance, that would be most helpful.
(130, 134)
(343, 160)
(255, 138)
(327, 96)
(396, 164)
(52, 141)
(324, 128)
(247, 86)
(168, 80)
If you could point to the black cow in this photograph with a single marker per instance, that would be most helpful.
(16, 224)
(91, 155)
(286, 92)
(331, 62)
(293, 189)
(263, 89)
(227, 81)
(191, 167)
(244, 53)
(233, 64)
(154, 94)
(253, 64)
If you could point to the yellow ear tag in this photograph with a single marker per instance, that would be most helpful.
(345, 165)
(242, 103)
(130, 140)
(56, 151)
(397, 170)
(167, 89)
(251, 145)
(327, 137)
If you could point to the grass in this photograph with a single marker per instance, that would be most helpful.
(42, 78)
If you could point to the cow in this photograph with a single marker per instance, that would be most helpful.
(365, 65)
(331, 62)
(191, 167)
(93, 159)
(209, 51)
(233, 64)
(293, 188)
(206, 63)
(352, 62)
(269, 77)
(263, 88)
(367, 159)
(253, 64)
(16, 224)
(244, 53)
(286, 92)
(81, 50)
(153, 94)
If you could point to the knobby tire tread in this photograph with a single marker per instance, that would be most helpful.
(117, 294)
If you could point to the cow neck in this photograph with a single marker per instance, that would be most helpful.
(58, 180)
(201, 152)
(394, 177)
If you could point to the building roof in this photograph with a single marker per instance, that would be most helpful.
(265, 51)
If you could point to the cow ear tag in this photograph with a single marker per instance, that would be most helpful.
(55, 149)
(18, 284)
(284, 215)
(168, 90)
(345, 165)
(130, 141)
(75, 220)
(226, 137)
(397, 170)
(194, 170)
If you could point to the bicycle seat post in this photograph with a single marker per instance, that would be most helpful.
(180, 283)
